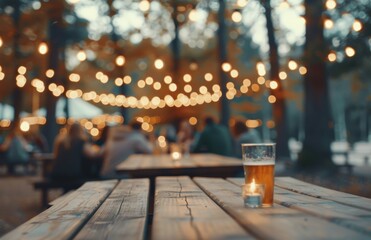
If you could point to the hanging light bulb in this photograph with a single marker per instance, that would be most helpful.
(81, 55)
(43, 48)
(120, 60)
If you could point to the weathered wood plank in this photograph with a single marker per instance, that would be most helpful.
(324, 193)
(183, 211)
(63, 220)
(276, 222)
(344, 215)
(123, 215)
(60, 199)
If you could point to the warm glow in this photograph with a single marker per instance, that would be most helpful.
(330, 4)
(247, 82)
(120, 60)
(187, 88)
(251, 123)
(159, 64)
(187, 78)
(172, 87)
(157, 86)
(74, 77)
(331, 57)
(1, 42)
(149, 80)
(144, 5)
(127, 79)
(261, 80)
(252, 186)
(255, 87)
(293, 65)
(141, 83)
(2, 76)
(272, 99)
(234, 73)
(260, 68)
(192, 121)
(329, 23)
(241, 3)
(22, 70)
(49, 73)
(302, 70)
(119, 82)
(236, 17)
(81, 55)
(244, 89)
(94, 132)
(357, 26)
(193, 15)
(168, 79)
(203, 90)
(208, 76)
(226, 67)
(350, 52)
(282, 75)
(25, 126)
(273, 85)
(43, 48)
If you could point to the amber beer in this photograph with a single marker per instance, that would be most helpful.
(263, 173)
(258, 163)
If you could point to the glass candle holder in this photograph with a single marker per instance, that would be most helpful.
(253, 194)
(175, 152)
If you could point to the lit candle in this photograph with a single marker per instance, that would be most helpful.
(176, 155)
(252, 197)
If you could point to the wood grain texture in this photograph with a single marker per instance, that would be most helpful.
(60, 199)
(123, 215)
(273, 223)
(324, 193)
(63, 220)
(340, 214)
(183, 211)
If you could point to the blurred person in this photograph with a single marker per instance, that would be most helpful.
(123, 142)
(36, 140)
(185, 136)
(73, 154)
(15, 148)
(214, 138)
(103, 136)
(243, 134)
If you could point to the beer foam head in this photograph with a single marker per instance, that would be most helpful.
(258, 163)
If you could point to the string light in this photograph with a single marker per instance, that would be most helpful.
(330, 4)
(350, 52)
(236, 16)
(1, 42)
(159, 64)
(43, 48)
(357, 25)
(331, 57)
(81, 55)
(120, 60)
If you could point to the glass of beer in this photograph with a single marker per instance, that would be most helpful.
(258, 163)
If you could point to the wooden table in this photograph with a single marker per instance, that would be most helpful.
(199, 208)
(205, 165)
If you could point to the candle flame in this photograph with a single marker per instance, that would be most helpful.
(253, 186)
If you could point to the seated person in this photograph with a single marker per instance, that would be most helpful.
(214, 138)
(72, 153)
(243, 134)
(122, 143)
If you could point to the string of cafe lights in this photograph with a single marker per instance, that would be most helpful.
(193, 98)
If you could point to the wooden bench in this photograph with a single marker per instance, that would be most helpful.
(11, 165)
(97, 210)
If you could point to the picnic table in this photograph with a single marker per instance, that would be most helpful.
(199, 208)
(205, 165)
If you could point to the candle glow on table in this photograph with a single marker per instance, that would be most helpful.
(253, 194)
(176, 155)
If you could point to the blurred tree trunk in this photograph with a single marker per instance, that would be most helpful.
(222, 53)
(175, 44)
(279, 107)
(55, 30)
(17, 92)
(120, 70)
(316, 151)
